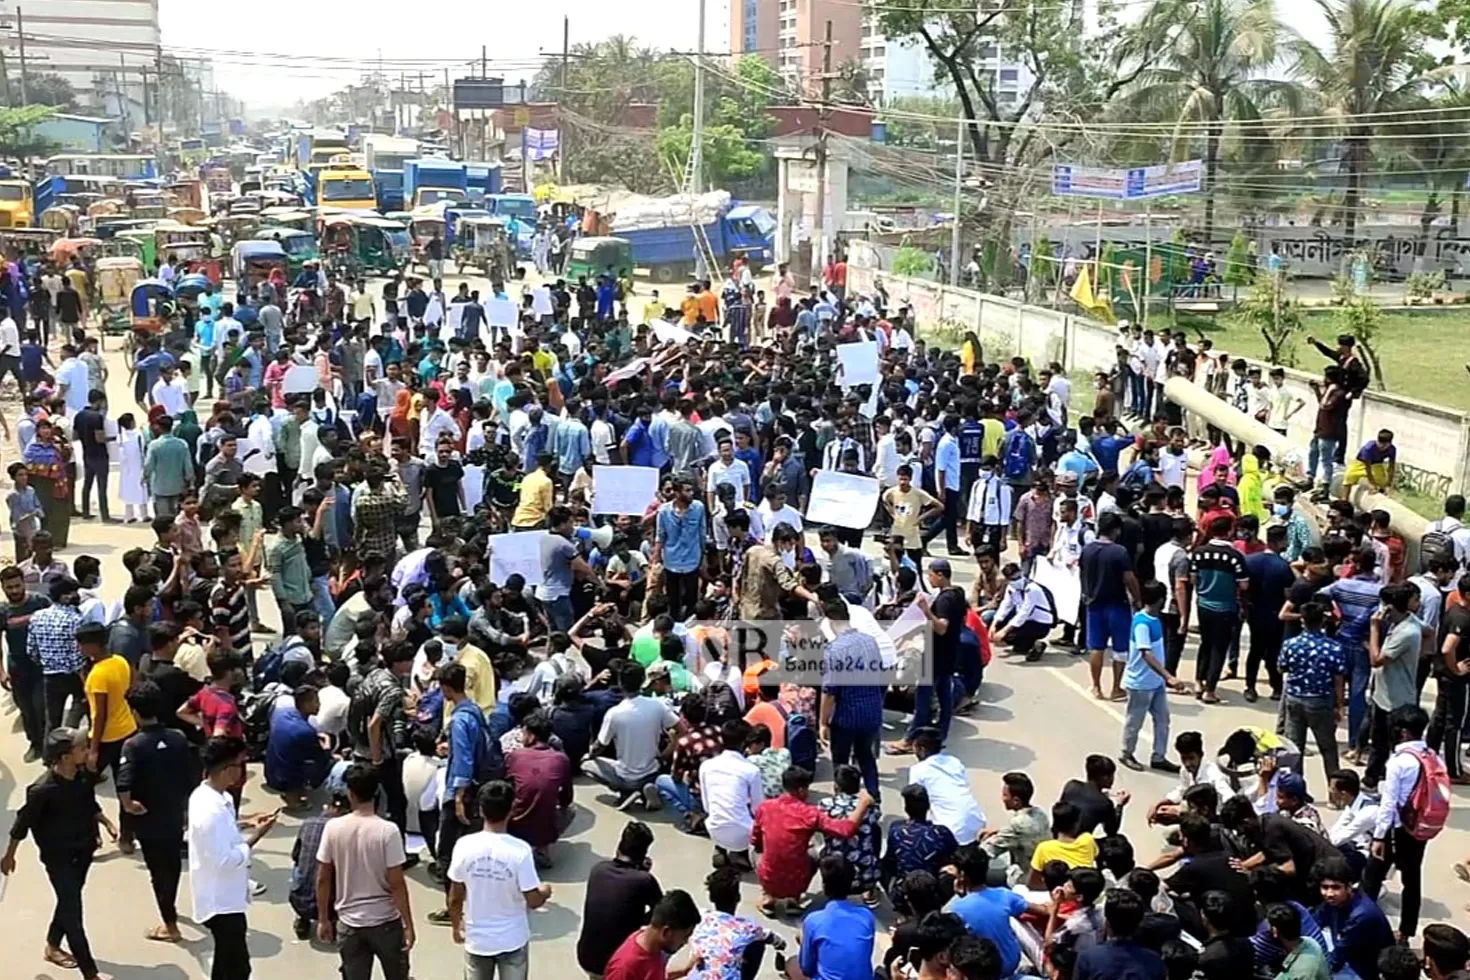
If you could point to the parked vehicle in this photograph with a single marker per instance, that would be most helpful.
(300, 247)
(115, 279)
(252, 263)
(151, 302)
(591, 257)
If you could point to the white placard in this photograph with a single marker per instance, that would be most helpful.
(842, 500)
(456, 316)
(911, 620)
(869, 408)
(298, 379)
(1065, 586)
(516, 553)
(434, 315)
(502, 313)
(541, 304)
(631, 370)
(671, 333)
(859, 363)
(624, 489)
(474, 487)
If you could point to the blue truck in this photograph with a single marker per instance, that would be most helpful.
(385, 157)
(740, 232)
(430, 180)
(484, 180)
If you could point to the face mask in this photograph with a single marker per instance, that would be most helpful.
(788, 558)
(1281, 510)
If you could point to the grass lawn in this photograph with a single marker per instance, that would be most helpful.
(1423, 354)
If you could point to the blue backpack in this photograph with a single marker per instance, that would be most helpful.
(1018, 455)
(801, 742)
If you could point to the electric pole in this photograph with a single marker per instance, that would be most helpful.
(819, 233)
(696, 152)
(959, 183)
(20, 34)
(566, 58)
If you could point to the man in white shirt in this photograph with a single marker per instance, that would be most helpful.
(360, 865)
(989, 512)
(219, 856)
(634, 727)
(434, 422)
(1452, 524)
(1354, 826)
(728, 469)
(492, 886)
(1025, 615)
(604, 438)
(71, 380)
(1194, 770)
(10, 349)
(951, 803)
(774, 510)
(170, 392)
(730, 790)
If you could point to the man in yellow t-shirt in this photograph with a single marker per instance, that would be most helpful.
(537, 496)
(690, 308)
(909, 506)
(106, 688)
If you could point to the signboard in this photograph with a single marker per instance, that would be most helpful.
(1131, 184)
(479, 93)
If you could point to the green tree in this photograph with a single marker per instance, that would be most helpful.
(912, 262)
(17, 138)
(1270, 310)
(1360, 316)
(728, 156)
(50, 89)
(1211, 75)
(1375, 63)
(1238, 261)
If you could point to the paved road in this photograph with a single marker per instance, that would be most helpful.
(1035, 717)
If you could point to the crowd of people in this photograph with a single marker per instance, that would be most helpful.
(416, 690)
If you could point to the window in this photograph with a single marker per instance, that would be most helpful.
(988, 52)
(1010, 74)
(879, 51)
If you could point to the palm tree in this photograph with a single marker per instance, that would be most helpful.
(1375, 64)
(1210, 75)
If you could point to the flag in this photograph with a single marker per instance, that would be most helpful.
(1084, 297)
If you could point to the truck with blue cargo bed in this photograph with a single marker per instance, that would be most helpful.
(738, 232)
(430, 180)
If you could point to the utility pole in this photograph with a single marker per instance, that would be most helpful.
(453, 114)
(484, 63)
(147, 113)
(819, 233)
(696, 152)
(402, 103)
(959, 183)
(20, 33)
(4, 77)
(561, 98)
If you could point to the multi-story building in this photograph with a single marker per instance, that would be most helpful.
(100, 46)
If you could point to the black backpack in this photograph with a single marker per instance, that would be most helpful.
(1435, 544)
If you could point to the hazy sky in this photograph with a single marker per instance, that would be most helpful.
(317, 46)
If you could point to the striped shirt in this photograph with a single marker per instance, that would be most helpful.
(230, 611)
(1356, 599)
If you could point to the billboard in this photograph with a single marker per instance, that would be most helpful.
(1127, 184)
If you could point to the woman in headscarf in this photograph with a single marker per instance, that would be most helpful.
(463, 416)
(969, 354)
(47, 459)
(1219, 456)
(400, 420)
(187, 428)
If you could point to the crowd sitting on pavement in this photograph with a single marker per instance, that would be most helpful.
(422, 700)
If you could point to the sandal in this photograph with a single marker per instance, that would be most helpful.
(61, 958)
(1462, 872)
(439, 917)
(898, 748)
(771, 911)
(160, 934)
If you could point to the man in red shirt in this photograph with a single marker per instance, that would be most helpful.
(644, 954)
(542, 777)
(783, 833)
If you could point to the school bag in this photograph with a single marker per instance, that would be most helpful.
(1436, 543)
(1019, 454)
(267, 668)
(1424, 816)
(801, 742)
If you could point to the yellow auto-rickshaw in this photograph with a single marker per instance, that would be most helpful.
(115, 281)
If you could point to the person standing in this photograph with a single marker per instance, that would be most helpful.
(1270, 579)
(360, 865)
(1109, 593)
(492, 885)
(947, 483)
(154, 780)
(25, 678)
(1395, 638)
(90, 429)
(61, 813)
(219, 857)
(946, 613)
(1401, 833)
(679, 547)
(1145, 680)
(111, 722)
(1218, 578)
(52, 643)
(168, 468)
(851, 710)
(290, 571)
(1314, 665)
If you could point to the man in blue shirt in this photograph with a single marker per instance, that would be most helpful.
(1107, 447)
(948, 483)
(1145, 679)
(295, 761)
(679, 547)
(1357, 600)
(851, 710)
(1074, 460)
(837, 939)
(473, 756)
(1270, 578)
(637, 443)
(1120, 958)
(987, 912)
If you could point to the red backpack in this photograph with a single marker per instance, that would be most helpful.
(1424, 816)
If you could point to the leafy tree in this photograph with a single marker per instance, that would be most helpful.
(727, 155)
(1270, 309)
(1212, 71)
(1360, 316)
(52, 90)
(1376, 63)
(16, 131)
(912, 262)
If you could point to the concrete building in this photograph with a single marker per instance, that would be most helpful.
(79, 134)
(99, 46)
(904, 69)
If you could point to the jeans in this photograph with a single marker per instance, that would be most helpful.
(1152, 703)
(923, 707)
(515, 965)
(605, 771)
(677, 796)
(28, 689)
(1173, 641)
(1320, 715)
(1265, 646)
(861, 748)
(1324, 450)
(360, 947)
(1359, 671)
(94, 470)
(683, 591)
(1137, 394)
(1215, 631)
(10, 364)
(1448, 721)
(68, 874)
(1407, 854)
(1380, 745)
(59, 687)
(321, 598)
(391, 773)
(163, 857)
(165, 506)
(559, 613)
(949, 521)
(231, 952)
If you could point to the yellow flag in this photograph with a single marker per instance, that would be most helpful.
(1082, 290)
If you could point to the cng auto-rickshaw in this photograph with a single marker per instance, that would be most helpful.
(300, 247)
(252, 263)
(189, 288)
(63, 218)
(143, 238)
(148, 204)
(483, 243)
(357, 246)
(236, 229)
(591, 257)
(115, 278)
(422, 227)
(150, 301)
(198, 258)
